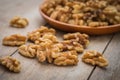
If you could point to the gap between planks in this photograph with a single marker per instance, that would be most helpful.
(102, 54)
(16, 51)
(26, 42)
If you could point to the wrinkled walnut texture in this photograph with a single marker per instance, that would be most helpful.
(18, 22)
(28, 50)
(11, 63)
(14, 40)
(94, 58)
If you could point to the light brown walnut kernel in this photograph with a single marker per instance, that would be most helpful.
(57, 47)
(19, 22)
(83, 39)
(29, 51)
(91, 11)
(44, 55)
(72, 45)
(14, 40)
(47, 37)
(93, 24)
(54, 15)
(11, 63)
(110, 10)
(33, 36)
(94, 58)
(41, 56)
(66, 58)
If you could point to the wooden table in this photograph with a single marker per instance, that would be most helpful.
(109, 45)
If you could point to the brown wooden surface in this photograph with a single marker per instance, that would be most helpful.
(33, 70)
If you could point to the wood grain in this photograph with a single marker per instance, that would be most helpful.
(8, 9)
(112, 53)
(32, 69)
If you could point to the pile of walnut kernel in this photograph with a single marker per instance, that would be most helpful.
(46, 48)
(93, 13)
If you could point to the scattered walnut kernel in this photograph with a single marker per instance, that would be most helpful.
(44, 55)
(14, 40)
(11, 63)
(19, 22)
(66, 58)
(28, 50)
(46, 37)
(33, 36)
(41, 56)
(78, 37)
(94, 58)
(72, 45)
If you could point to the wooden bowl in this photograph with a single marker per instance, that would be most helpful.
(83, 29)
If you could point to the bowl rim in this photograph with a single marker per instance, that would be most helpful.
(72, 25)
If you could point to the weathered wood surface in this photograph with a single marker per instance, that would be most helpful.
(32, 69)
(9, 9)
(112, 53)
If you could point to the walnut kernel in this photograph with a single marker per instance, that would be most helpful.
(19, 22)
(14, 40)
(11, 63)
(94, 58)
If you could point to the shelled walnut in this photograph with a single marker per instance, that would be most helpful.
(29, 51)
(72, 45)
(14, 40)
(83, 39)
(19, 22)
(66, 58)
(44, 55)
(94, 58)
(47, 37)
(11, 63)
(67, 11)
(33, 36)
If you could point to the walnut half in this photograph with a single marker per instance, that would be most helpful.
(65, 58)
(11, 63)
(19, 22)
(14, 40)
(28, 50)
(35, 35)
(94, 58)
(83, 39)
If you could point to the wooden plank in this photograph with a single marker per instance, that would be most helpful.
(112, 53)
(29, 9)
(8, 9)
(33, 70)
